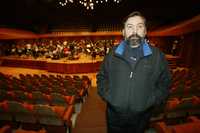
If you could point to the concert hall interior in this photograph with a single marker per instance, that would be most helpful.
(51, 52)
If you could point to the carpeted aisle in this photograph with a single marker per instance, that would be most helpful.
(92, 116)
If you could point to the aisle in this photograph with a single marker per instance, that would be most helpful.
(92, 116)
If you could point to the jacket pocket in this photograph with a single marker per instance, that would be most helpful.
(151, 101)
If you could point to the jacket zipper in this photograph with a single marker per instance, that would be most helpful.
(130, 77)
(131, 74)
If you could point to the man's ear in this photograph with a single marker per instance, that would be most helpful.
(145, 32)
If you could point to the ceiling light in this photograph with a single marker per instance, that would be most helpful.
(89, 4)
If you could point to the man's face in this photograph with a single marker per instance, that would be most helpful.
(134, 30)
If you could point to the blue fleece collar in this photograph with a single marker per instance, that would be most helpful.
(146, 49)
(121, 48)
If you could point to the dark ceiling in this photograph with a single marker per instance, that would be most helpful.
(40, 16)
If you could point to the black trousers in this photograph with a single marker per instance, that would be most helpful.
(130, 122)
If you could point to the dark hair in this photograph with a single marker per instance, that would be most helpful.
(133, 14)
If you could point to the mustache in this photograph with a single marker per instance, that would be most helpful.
(134, 36)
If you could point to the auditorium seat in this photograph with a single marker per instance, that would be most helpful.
(3, 95)
(58, 99)
(29, 131)
(5, 129)
(22, 76)
(20, 96)
(4, 112)
(39, 98)
(44, 89)
(25, 116)
(52, 121)
(57, 89)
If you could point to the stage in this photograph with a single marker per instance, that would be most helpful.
(85, 64)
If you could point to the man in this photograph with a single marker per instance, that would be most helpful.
(133, 78)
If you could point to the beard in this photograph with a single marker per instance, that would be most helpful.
(134, 40)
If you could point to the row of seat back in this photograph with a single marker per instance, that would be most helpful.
(177, 110)
(192, 126)
(37, 97)
(64, 87)
(186, 83)
(36, 114)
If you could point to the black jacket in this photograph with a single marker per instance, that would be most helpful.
(137, 88)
